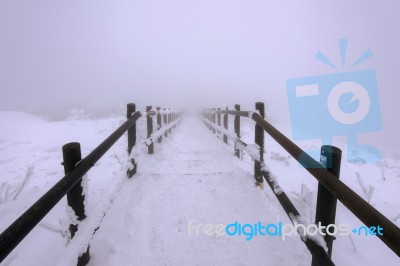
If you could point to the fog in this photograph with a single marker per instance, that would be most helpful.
(100, 55)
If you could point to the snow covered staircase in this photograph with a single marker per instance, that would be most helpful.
(158, 218)
(183, 193)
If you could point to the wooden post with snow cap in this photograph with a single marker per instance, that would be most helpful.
(159, 123)
(210, 119)
(213, 119)
(169, 119)
(150, 148)
(172, 118)
(75, 197)
(165, 118)
(130, 110)
(326, 202)
(226, 126)
(175, 117)
(237, 129)
(219, 119)
(259, 140)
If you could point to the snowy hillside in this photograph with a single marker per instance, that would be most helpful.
(193, 178)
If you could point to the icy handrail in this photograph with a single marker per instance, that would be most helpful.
(240, 144)
(81, 240)
(160, 132)
(231, 112)
(146, 142)
(21, 227)
(161, 111)
(313, 243)
(357, 205)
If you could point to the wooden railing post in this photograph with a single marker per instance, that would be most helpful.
(326, 202)
(75, 197)
(165, 118)
(237, 129)
(26, 222)
(159, 123)
(150, 148)
(175, 118)
(213, 119)
(210, 118)
(259, 140)
(169, 119)
(130, 110)
(219, 119)
(226, 126)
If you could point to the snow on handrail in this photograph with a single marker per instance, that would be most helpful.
(81, 241)
(146, 142)
(163, 111)
(153, 137)
(22, 226)
(357, 205)
(353, 202)
(315, 244)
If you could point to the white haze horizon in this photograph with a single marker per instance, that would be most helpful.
(101, 55)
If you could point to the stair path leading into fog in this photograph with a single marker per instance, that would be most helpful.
(193, 178)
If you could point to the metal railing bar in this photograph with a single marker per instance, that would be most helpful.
(241, 144)
(148, 113)
(318, 252)
(357, 205)
(155, 135)
(21, 227)
(152, 139)
(154, 112)
(233, 112)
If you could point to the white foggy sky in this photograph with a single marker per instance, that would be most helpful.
(107, 53)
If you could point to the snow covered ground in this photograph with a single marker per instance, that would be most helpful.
(191, 179)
